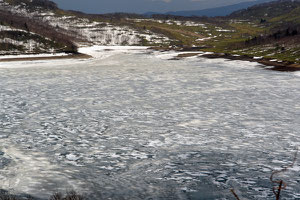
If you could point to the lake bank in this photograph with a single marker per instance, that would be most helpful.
(43, 57)
(284, 66)
(270, 64)
(92, 52)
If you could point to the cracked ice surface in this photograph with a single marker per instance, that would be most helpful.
(133, 125)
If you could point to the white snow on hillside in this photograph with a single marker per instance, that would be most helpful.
(5, 28)
(171, 22)
(25, 46)
(88, 32)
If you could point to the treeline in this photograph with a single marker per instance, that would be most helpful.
(4, 46)
(277, 35)
(63, 40)
(120, 16)
(21, 36)
(269, 10)
(215, 20)
(105, 17)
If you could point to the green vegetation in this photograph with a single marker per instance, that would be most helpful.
(270, 30)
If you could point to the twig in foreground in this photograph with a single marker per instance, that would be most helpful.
(235, 195)
(282, 184)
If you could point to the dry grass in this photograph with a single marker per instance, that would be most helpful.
(70, 195)
(6, 196)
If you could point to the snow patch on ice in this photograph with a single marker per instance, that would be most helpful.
(34, 168)
(101, 52)
(297, 73)
(33, 55)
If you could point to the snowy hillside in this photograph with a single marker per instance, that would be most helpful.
(101, 33)
(80, 31)
(16, 41)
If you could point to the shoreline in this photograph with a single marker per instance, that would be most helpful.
(71, 56)
(283, 66)
(269, 64)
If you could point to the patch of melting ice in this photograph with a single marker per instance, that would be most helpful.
(29, 172)
(138, 126)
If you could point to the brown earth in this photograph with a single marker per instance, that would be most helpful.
(71, 56)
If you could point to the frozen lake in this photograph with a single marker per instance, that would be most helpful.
(135, 125)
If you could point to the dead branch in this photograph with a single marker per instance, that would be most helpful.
(234, 194)
(282, 184)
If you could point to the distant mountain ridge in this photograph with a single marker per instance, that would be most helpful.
(213, 12)
(268, 10)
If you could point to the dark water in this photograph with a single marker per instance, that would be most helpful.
(134, 126)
